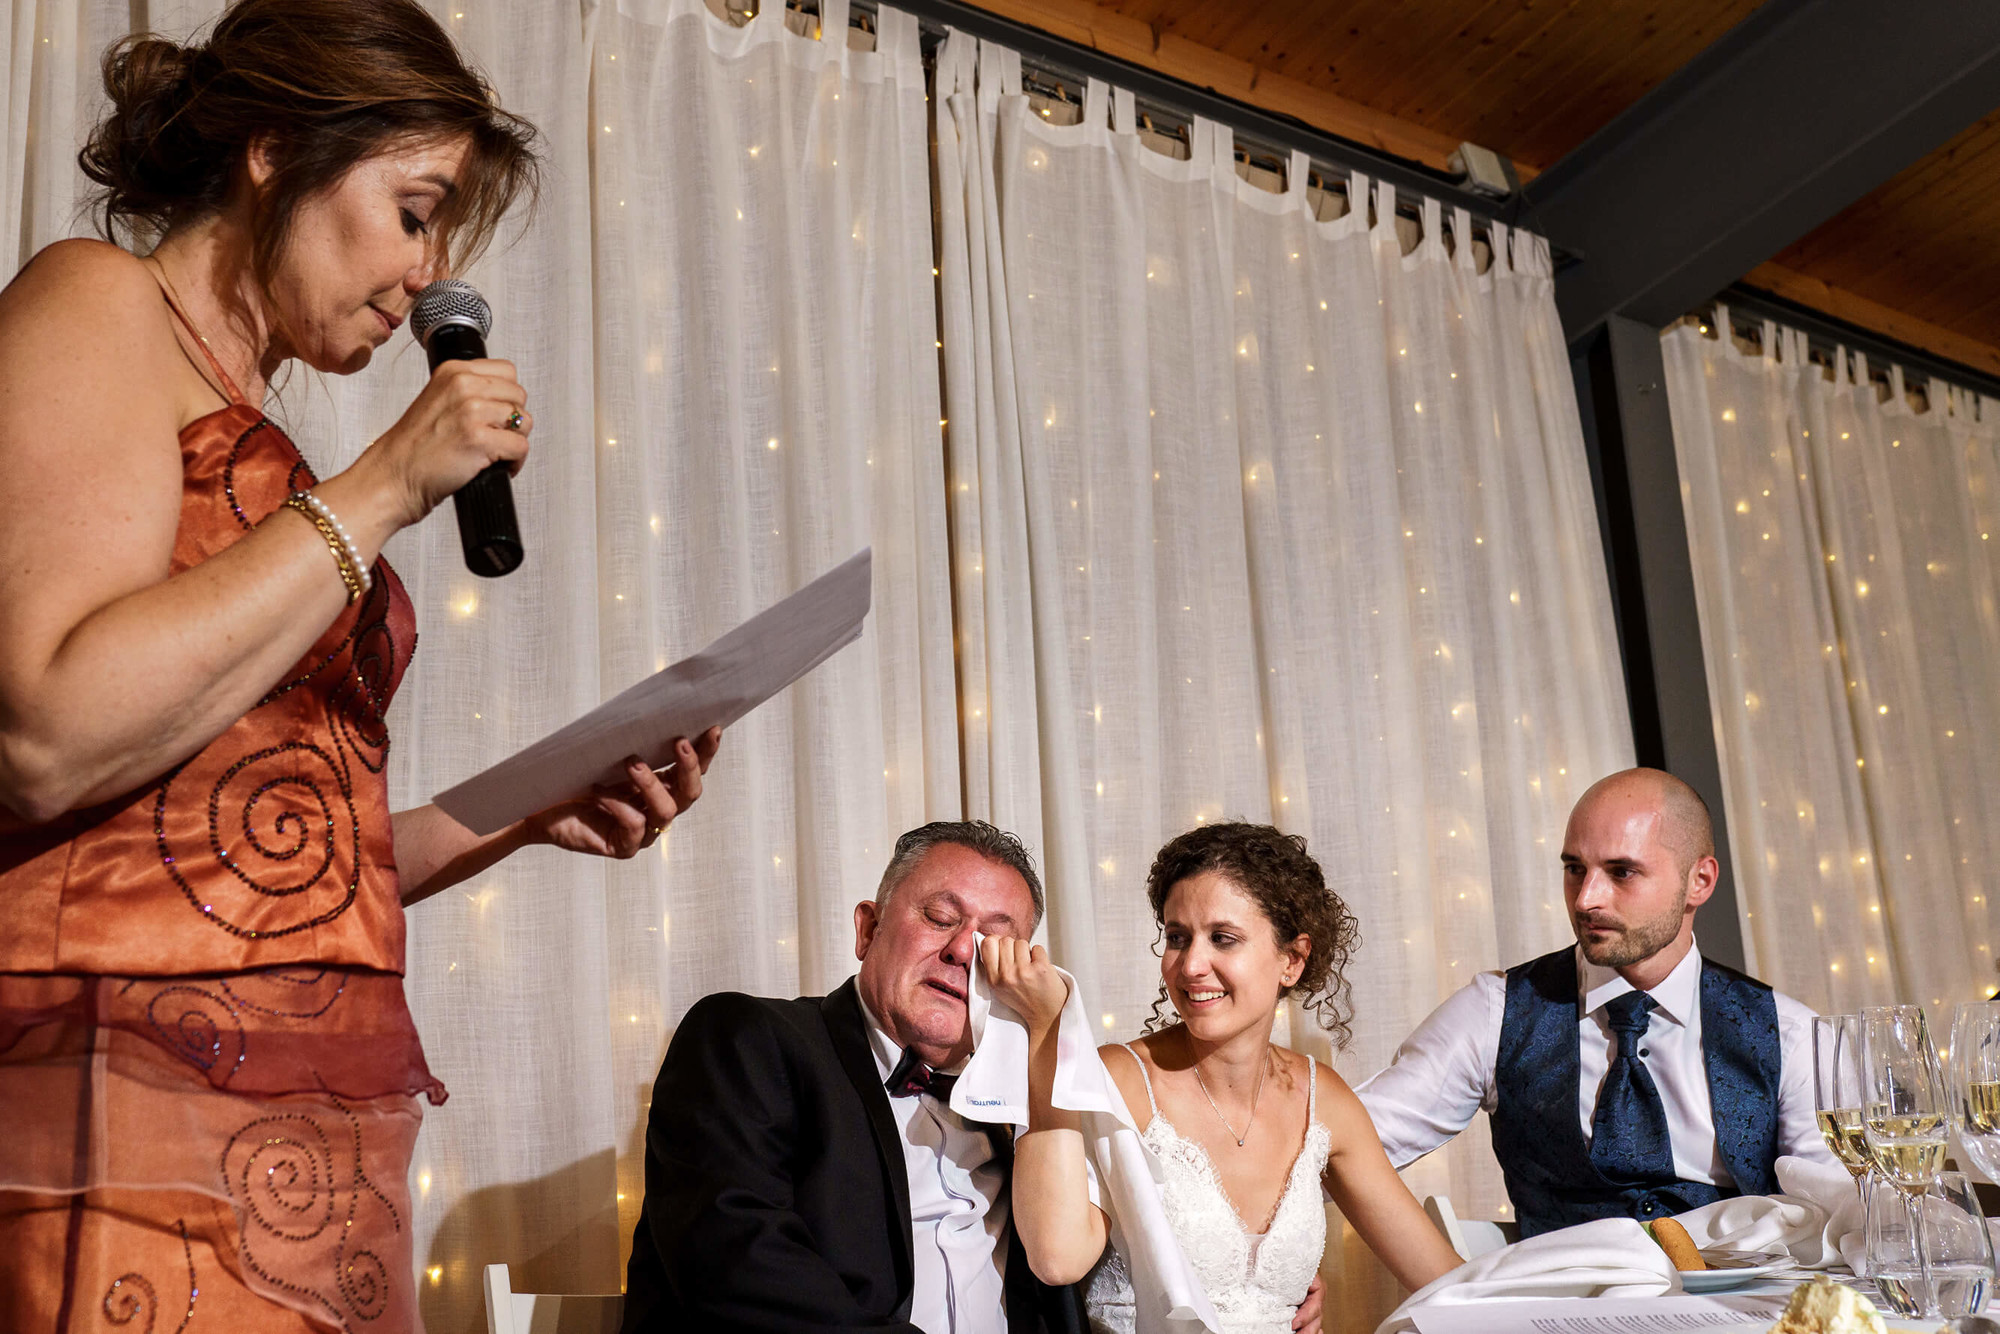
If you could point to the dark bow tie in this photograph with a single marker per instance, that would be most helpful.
(912, 1076)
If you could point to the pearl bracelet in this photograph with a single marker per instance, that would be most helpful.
(349, 555)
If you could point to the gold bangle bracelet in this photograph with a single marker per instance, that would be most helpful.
(348, 575)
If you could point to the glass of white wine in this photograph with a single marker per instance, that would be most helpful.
(1904, 1108)
(1975, 1084)
(1837, 1090)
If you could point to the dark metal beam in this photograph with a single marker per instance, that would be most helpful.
(1621, 380)
(1792, 115)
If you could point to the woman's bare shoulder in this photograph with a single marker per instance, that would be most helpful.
(86, 314)
(1338, 1107)
(81, 267)
(86, 306)
(1127, 1072)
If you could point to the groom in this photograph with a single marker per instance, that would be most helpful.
(803, 1169)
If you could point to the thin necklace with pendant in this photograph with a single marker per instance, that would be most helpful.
(1251, 1120)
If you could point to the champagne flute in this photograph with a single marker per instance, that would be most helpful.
(1904, 1110)
(1975, 1084)
(1837, 1090)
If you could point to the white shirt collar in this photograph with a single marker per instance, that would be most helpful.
(1677, 997)
(887, 1051)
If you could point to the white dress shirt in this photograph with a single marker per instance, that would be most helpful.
(958, 1208)
(1443, 1074)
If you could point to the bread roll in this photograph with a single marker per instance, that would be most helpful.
(1678, 1245)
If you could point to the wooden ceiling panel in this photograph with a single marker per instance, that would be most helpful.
(1926, 242)
(1528, 78)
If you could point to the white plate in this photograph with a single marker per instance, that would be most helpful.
(1734, 1270)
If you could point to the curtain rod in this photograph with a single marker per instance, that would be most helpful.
(1824, 333)
(1259, 133)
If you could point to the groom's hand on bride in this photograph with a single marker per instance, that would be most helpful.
(1306, 1321)
(1022, 976)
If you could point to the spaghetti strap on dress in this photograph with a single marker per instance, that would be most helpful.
(230, 390)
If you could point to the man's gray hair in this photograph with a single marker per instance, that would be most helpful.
(989, 841)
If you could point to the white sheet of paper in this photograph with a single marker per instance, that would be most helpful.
(713, 688)
(1730, 1311)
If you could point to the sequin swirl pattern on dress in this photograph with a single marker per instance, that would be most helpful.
(132, 1294)
(201, 996)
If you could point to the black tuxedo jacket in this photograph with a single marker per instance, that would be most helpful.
(776, 1193)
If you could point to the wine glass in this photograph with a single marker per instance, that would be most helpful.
(1837, 1090)
(1975, 1084)
(1951, 1274)
(1904, 1110)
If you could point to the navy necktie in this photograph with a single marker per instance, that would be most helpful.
(1629, 1143)
(912, 1076)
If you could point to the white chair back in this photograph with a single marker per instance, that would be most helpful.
(1470, 1237)
(511, 1312)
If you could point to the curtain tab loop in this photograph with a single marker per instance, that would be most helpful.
(1503, 248)
(832, 27)
(955, 62)
(1768, 343)
(900, 43)
(1461, 241)
(1298, 171)
(1096, 103)
(1124, 111)
(1213, 145)
(1383, 226)
(999, 75)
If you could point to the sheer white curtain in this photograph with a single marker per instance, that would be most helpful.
(724, 315)
(1844, 557)
(1256, 516)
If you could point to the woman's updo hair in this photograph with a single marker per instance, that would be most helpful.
(326, 84)
(1278, 874)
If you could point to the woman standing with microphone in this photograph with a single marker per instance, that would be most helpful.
(208, 1073)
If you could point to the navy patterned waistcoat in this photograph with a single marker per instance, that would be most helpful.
(1536, 1133)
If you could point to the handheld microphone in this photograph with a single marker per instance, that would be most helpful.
(451, 320)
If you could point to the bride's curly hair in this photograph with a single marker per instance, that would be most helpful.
(1274, 869)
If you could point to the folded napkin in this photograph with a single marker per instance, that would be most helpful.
(1815, 1218)
(993, 1087)
(1611, 1257)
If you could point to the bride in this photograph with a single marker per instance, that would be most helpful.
(1247, 1132)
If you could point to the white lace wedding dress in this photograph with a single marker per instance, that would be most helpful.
(1255, 1280)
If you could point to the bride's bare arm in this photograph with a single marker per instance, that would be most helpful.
(1061, 1231)
(1372, 1197)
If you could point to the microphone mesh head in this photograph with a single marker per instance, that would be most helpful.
(449, 301)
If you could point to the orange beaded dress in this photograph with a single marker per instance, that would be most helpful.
(208, 1074)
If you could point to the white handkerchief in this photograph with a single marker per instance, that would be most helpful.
(993, 1087)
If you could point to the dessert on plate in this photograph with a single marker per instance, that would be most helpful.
(1825, 1307)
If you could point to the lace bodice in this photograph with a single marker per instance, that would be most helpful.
(1255, 1280)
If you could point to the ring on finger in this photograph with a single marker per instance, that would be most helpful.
(653, 831)
(513, 422)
